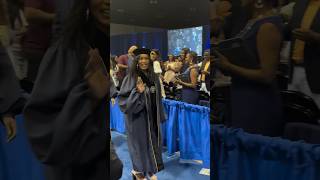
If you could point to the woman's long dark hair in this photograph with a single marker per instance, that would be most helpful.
(76, 25)
(135, 71)
(80, 31)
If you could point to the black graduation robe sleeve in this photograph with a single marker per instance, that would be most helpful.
(113, 89)
(11, 101)
(62, 124)
(130, 101)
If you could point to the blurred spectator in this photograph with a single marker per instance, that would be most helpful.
(188, 80)
(182, 59)
(40, 15)
(155, 58)
(124, 63)
(205, 72)
(18, 25)
(114, 70)
(304, 26)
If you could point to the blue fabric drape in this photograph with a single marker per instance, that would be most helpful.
(194, 131)
(171, 128)
(117, 119)
(17, 161)
(158, 40)
(206, 38)
(239, 155)
(187, 130)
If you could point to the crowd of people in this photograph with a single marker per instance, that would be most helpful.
(184, 78)
(283, 37)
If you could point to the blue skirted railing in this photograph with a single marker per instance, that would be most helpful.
(187, 129)
(17, 161)
(239, 155)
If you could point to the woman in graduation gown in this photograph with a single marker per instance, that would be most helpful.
(66, 114)
(140, 100)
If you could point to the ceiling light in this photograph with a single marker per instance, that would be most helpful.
(153, 1)
(192, 9)
(120, 10)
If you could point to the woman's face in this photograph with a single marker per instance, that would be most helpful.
(153, 56)
(182, 55)
(144, 61)
(171, 58)
(188, 59)
(100, 10)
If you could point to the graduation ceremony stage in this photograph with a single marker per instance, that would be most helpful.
(186, 137)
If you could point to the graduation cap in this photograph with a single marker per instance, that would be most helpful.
(141, 51)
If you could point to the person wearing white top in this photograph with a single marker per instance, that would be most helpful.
(154, 56)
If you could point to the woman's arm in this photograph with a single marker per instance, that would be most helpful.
(268, 45)
(193, 77)
(39, 16)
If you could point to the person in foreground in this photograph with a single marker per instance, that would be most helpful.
(255, 98)
(140, 100)
(65, 116)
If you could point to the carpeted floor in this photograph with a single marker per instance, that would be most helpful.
(174, 169)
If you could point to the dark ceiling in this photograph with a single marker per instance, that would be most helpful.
(167, 14)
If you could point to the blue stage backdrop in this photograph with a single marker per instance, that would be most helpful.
(158, 40)
(121, 43)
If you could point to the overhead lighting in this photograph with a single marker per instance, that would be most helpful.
(193, 9)
(120, 10)
(153, 1)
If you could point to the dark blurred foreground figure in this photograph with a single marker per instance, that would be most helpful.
(255, 99)
(140, 100)
(115, 164)
(65, 117)
(11, 100)
(304, 31)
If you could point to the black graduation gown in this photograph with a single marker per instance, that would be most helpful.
(142, 125)
(11, 101)
(65, 129)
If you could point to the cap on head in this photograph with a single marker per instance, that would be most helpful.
(156, 51)
(140, 51)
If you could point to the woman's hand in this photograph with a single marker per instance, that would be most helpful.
(113, 101)
(97, 76)
(221, 62)
(177, 81)
(205, 72)
(11, 127)
(140, 85)
(306, 35)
